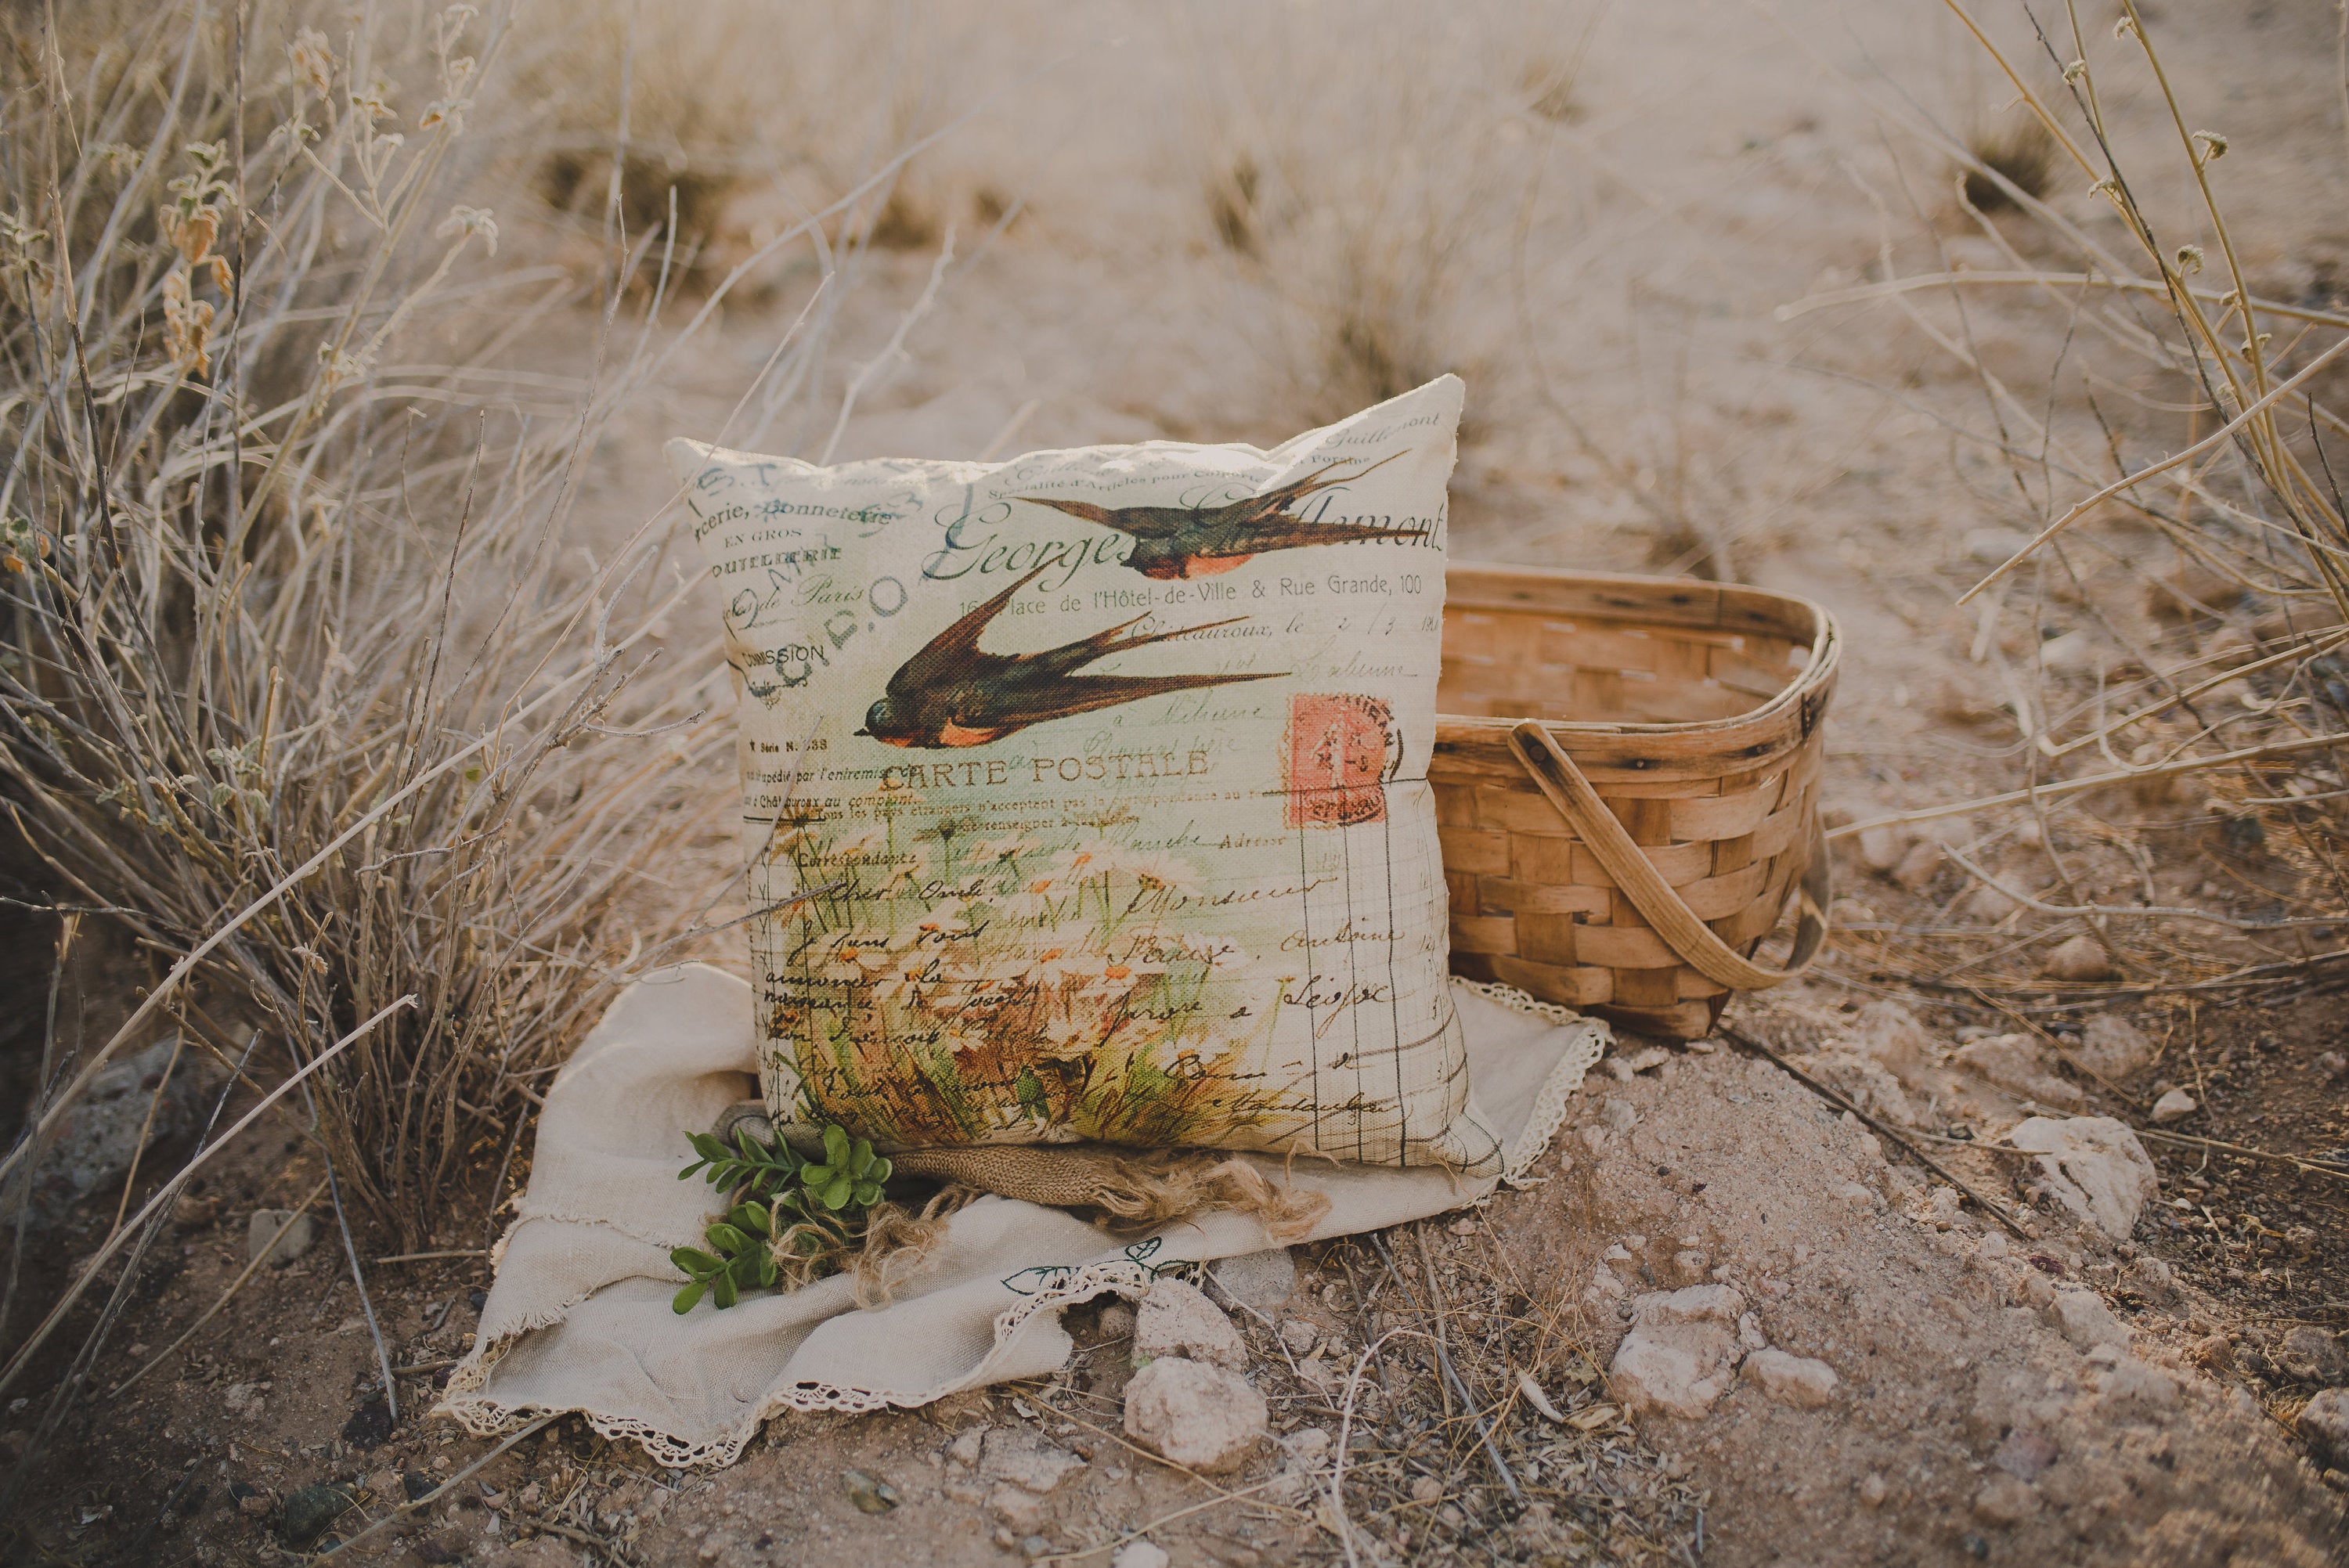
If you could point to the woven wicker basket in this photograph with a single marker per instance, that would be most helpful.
(1627, 775)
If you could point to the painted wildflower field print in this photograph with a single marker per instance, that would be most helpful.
(1084, 795)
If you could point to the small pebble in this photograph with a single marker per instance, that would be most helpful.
(869, 1493)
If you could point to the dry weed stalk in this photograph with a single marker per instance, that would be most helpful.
(237, 634)
(300, 682)
(2255, 709)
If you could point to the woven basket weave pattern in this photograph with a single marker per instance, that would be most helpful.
(1695, 711)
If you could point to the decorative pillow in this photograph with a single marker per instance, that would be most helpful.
(1085, 795)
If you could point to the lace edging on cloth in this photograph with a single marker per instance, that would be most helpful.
(483, 1416)
(1563, 1082)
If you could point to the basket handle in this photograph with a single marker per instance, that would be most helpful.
(1556, 773)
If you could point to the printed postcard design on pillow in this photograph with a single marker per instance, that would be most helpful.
(1085, 794)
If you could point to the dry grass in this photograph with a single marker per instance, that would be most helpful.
(1437, 1450)
(2213, 720)
(303, 685)
(2021, 157)
(1371, 203)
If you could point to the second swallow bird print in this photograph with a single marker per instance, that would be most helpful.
(954, 694)
(1178, 542)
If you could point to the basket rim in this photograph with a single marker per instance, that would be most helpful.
(1827, 647)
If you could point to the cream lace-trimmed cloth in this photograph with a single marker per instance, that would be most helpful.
(579, 1316)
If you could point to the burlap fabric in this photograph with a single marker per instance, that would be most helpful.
(579, 1318)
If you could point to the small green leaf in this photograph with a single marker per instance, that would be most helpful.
(693, 1262)
(859, 1158)
(835, 1146)
(867, 1194)
(688, 1297)
(879, 1171)
(751, 1217)
(721, 1291)
(766, 1270)
(726, 1238)
(818, 1176)
(836, 1191)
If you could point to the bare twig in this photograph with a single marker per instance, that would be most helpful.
(438, 1492)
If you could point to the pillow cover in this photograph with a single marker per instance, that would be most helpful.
(1084, 795)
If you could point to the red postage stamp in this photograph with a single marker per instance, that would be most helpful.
(1338, 748)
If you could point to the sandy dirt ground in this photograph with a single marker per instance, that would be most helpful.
(1636, 402)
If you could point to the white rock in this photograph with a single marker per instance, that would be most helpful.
(1299, 1335)
(1987, 904)
(2095, 1166)
(1697, 1303)
(1918, 865)
(1891, 1033)
(2131, 1389)
(1793, 1379)
(1141, 1554)
(1306, 1447)
(1990, 546)
(1018, 1507)
(1618, 1115)
(1937, 1208)
(1017, 1455)
(1863, 1081)
(1853, 1193)
(2018, 1064)
(2113, 1047)
(2175, 1106)
(2325, 1422)
(1653, 1056)
(1261, 1280)
(297, 1240)
(2313, 1355)
(1177, 1319)
(2005, 1501)
(1881, 848)
(966, 1447)
(2083, 958)
(1677, 1358)
(2082, 1317)
(1198, 1415)
(99, 1131)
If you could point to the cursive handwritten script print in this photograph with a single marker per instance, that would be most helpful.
(1087, 792)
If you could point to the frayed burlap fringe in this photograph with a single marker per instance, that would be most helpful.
(1123, 1190)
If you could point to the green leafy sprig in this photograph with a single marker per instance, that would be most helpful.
(742, 1261)
(811, 1210)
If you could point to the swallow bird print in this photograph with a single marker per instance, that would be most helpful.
(952, 693)
(1174, 542)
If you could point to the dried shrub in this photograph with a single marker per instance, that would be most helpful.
(1361, 197)
(2021, 156)
(2166, 629)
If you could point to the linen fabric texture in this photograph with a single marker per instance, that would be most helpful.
(578, 1317)
(1085, 795)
